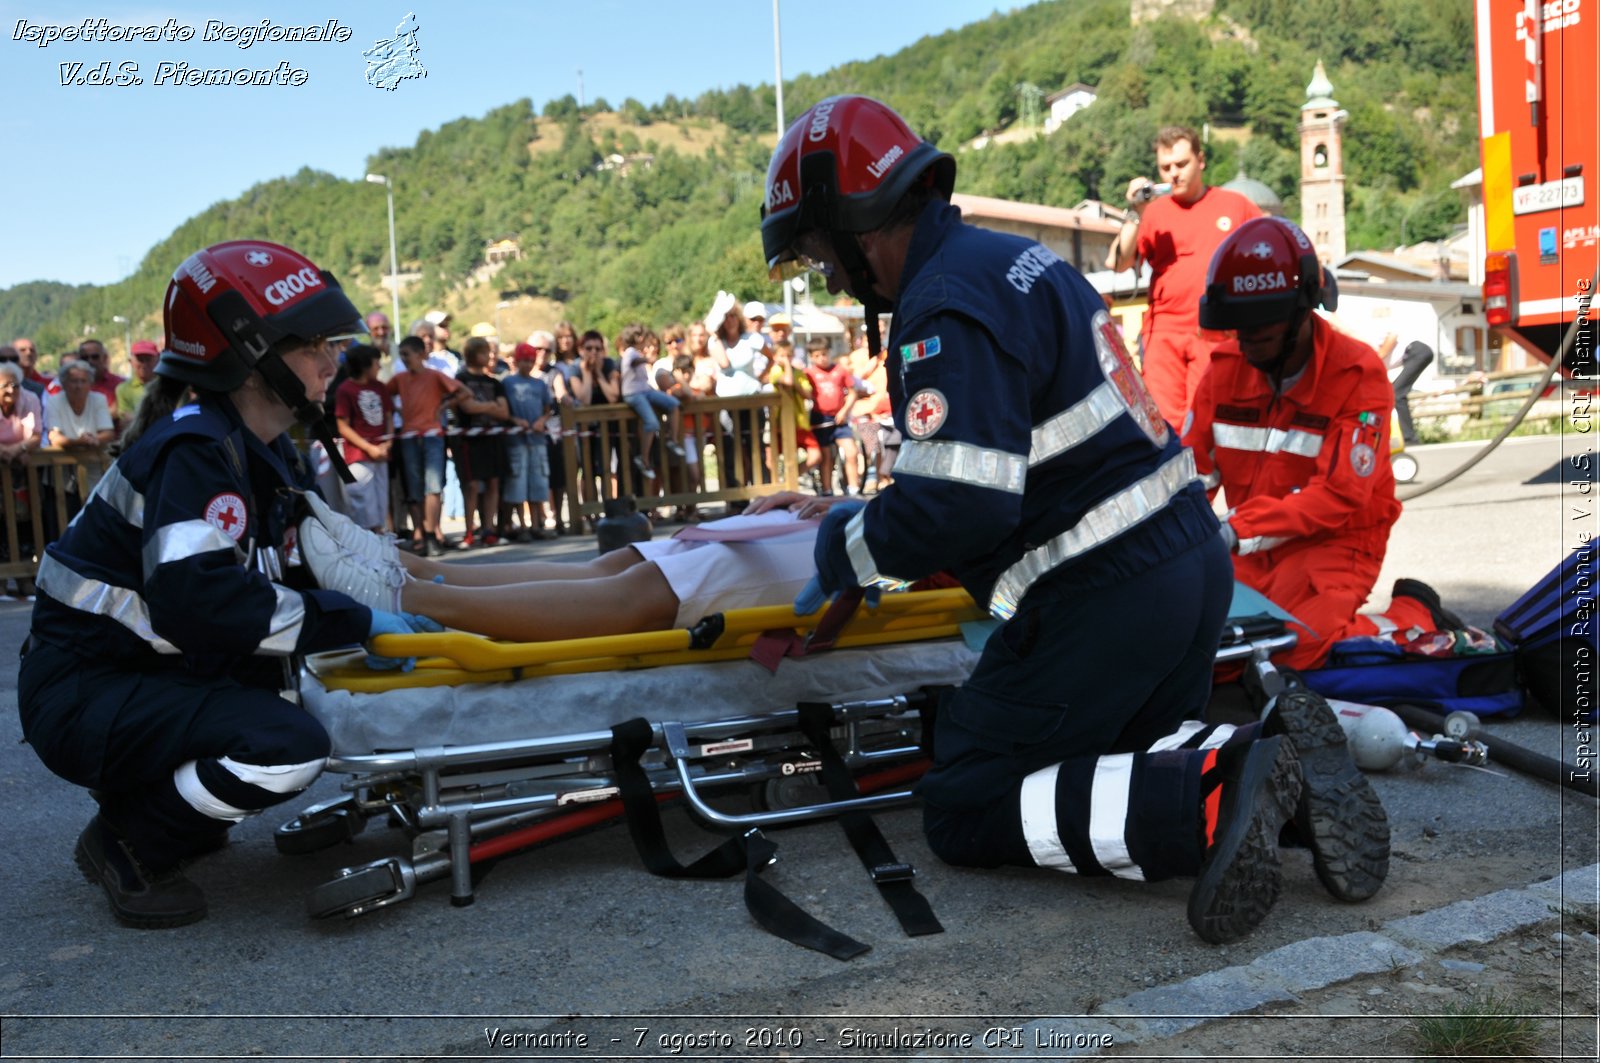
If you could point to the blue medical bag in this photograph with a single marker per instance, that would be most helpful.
(1552, 629)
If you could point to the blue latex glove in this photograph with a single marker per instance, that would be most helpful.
(811, 597)
(834, 572)
(386, 623)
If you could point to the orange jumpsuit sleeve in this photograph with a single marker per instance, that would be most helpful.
(1197, 433)
(1339, 489)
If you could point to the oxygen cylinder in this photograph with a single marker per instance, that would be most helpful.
(621, 525)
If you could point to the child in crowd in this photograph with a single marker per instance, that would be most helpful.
(833, 393)
(528, 477)
(784, 376)
(645, 400)
(481, 458)
(423, 393)
(361, 410)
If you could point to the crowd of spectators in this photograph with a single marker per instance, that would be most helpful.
(429, 432)
(477, 433)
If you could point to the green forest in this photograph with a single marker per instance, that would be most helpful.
(655, 242)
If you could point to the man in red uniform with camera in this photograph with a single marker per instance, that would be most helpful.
(1175, 226)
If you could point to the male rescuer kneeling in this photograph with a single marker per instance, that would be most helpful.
(1038, 471)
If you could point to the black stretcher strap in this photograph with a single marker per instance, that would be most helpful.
(891, 876)
(750, 852)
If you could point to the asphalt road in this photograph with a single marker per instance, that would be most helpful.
(572, 950)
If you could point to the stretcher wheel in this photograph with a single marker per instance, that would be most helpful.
(1405, 467)
(354, 891)
(319, 826)
(791, 791)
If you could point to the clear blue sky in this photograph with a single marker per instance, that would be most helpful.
(93, 177)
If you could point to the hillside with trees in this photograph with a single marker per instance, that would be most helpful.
(654, 236)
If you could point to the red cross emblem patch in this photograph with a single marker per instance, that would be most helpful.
(925, 413)
(227, 512)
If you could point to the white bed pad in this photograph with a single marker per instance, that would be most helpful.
(571, 704)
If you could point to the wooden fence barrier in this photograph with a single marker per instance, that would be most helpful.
(29, 488)
(755, 457)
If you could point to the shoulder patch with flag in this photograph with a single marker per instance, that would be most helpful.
(916, 352)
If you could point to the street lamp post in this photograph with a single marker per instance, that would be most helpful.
(394, 264)
(127, 333)
(777, 65)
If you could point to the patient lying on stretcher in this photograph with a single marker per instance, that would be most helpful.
(761, 558)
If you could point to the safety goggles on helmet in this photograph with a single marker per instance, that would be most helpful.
(841, 168)
(1264, 272)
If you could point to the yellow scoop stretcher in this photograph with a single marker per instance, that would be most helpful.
(456, 657)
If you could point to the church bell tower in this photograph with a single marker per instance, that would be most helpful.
(1322, 168)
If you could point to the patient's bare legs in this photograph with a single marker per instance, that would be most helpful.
(496, 575)
(616, 594)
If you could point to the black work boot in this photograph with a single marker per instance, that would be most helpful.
(1240, 876)
(1443, 619)
(139, 897)
(1339, 815)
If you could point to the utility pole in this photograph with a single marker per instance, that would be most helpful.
(777, 64)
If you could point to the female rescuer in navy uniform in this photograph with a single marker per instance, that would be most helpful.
(163, 631)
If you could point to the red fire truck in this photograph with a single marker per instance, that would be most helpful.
(1538, 73)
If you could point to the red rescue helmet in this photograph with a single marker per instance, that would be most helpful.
(841, 168)
(229, 304)
(1264, 272)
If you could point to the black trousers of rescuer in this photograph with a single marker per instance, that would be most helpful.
(174, 758)
(1043, 757)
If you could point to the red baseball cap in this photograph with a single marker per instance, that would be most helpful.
(525, 352)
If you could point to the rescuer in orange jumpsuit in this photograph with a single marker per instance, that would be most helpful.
(1291, 421)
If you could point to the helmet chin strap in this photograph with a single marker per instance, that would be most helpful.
(283, 381)
(1274, 369)
(847, 248)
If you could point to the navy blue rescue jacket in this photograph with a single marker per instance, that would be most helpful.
(1032, 448)
(174, 561)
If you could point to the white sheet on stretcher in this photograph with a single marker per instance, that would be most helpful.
(569, 704)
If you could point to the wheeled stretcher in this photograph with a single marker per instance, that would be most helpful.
(487, 748)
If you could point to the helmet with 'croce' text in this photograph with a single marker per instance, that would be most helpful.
(230, 304)
(842, 168)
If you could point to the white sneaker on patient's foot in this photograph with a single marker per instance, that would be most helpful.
(372, 584)
(379, 550)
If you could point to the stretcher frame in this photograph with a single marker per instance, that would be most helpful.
(465, 804)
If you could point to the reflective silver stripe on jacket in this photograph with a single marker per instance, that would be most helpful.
(942, 459)
(288, 616)
(1108, 519)
(183, 540)
(1267, 440)
(87, 595)
(861, 560)
(115, 490)
(1076, 423)
(1212, 479)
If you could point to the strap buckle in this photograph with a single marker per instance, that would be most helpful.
(896, 872)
